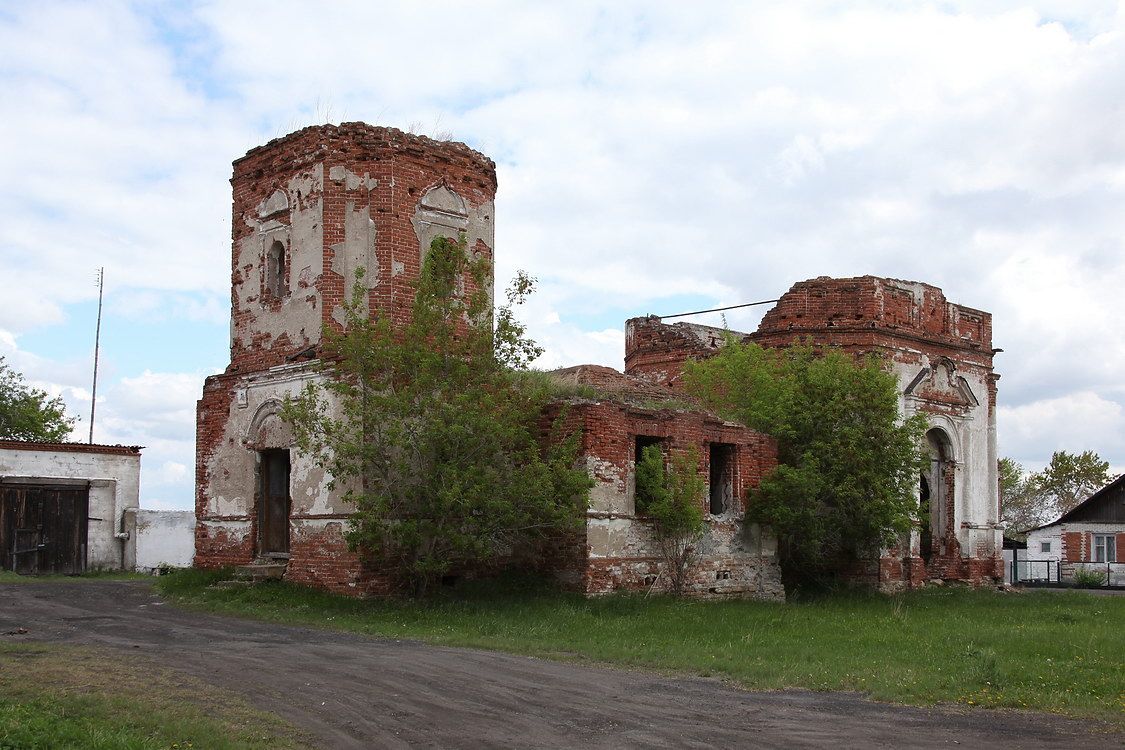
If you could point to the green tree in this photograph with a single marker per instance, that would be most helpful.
(1070, 478)
(1031, 500)
(1020, 506)
(28, 413)
(432, 428)
(672, 498)
(847, 480)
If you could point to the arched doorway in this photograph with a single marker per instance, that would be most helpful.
(271, 438)
(935, 493)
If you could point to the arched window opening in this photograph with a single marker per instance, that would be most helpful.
(275, 270)
(926, 532)
(935, 492)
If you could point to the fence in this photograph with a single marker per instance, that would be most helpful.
(1054, 572)
(1036, 571)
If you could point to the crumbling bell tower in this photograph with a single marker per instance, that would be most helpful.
(309, 210)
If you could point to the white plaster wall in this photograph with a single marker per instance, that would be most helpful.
(163, 537)
(1035, 539)
(114, 482)
(302, 233)
(976, 501)
(233, 467)
(611, 492)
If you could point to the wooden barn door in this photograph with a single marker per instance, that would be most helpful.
(43, 529)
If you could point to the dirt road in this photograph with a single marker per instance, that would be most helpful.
(352, 691)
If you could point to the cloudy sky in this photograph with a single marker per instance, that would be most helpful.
(652, 158)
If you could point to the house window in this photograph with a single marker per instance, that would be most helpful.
(1044, 546)
(1105, 548)
(721, 457)
(275, 270)
(643, 494)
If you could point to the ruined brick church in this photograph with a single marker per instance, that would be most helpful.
(312, 207)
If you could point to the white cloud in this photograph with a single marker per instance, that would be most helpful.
(169, 472)
(646, 152)
(151, 405)
(1075, 422)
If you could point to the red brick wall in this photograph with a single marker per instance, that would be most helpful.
(860, 315)
(1072, 542)
(608, 432)
(908, 309)
(405, 167)
(319, 556)
(908, 322)
(657, 351)
(216, 547)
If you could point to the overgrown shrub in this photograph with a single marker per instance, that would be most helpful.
(847, 479)
(1085, 578)
(431, 428)
(672, 498)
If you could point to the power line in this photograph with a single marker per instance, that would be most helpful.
(718, 309)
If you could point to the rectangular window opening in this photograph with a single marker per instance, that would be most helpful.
(1105, 548)
(642, 495)
(721, 460)
(1044, 546)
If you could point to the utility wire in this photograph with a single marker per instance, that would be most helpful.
(717, 309)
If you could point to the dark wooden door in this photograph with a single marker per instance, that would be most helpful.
(43, 529)
(273, 502)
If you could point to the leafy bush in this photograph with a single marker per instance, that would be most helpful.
(847, 480)
(28, 413)
(1085, 578)
(671, 497)
(437, 444)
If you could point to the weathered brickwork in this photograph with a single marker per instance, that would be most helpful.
(309, 210)
(337, 198)
(941, 354)
(619, 551)
(313, 208)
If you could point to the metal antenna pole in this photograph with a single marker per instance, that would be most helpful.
(97, 342)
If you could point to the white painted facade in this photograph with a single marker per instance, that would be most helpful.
(111, 473)
(162, 538)
(1085, 556)
(971, 432)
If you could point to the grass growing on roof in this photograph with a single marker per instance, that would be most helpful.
(1043, 651)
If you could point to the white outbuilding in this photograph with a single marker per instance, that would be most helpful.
(63, 506)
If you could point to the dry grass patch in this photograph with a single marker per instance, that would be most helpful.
(54, 696)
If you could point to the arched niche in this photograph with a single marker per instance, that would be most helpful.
(276, 262)
(267, 430)
(275, 204)
(441, 206)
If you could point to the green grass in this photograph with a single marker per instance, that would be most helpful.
(1059, 652)
(69, 697)
(7, 576)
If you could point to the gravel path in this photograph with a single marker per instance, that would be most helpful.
(351, 691)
